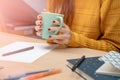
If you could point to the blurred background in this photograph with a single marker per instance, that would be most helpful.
(18, 16)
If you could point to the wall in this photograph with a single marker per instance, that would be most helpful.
(37, 5)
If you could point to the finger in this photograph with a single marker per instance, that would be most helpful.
(51, 29)
(62, 30)
(39, 17)
(38, 28)
(56, 22)
(65, 26)
(38, 22)
(58, 41)
(65, 29)
(39, 34)
(58, 37)
(61, 41)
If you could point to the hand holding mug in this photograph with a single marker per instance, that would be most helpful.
(38, 26)
(49, 24)
(45, 21)
(64, 34)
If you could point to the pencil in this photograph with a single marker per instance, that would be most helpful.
(18, 51)
(40, 75)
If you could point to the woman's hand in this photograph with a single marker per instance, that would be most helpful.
(38, 26)
(64, 35)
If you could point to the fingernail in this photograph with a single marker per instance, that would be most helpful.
(49, 29)
(50, 36)
(53, 21)
(40, 22)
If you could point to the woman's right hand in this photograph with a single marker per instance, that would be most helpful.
(38, 26)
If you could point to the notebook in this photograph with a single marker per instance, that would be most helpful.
(87, 69)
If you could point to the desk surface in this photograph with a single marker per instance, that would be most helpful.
(54, 59)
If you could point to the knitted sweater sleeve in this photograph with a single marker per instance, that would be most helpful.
(110, 29)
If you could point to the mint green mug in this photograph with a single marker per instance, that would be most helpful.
(48, 19)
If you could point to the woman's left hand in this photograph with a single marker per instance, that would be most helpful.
(64, 35)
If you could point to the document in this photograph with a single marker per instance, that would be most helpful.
(28, 56)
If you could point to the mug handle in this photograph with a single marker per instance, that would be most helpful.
(61, 24)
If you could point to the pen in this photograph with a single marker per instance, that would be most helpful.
(26, 74)
(40, 75)
(18, 51)
(78, 63)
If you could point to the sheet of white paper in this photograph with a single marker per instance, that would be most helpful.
(29, 56)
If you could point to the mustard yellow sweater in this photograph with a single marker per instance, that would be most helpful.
(96, 25)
